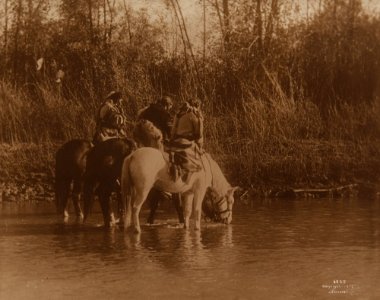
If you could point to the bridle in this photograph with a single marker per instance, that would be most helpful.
(218, 211)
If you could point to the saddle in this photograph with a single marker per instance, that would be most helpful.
(184, 158)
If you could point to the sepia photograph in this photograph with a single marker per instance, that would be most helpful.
(190, 149)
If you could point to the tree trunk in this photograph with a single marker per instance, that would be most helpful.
(5, 35)
(226, 20)
(182, 37)
(259, 26)
(104, 21)
(16, 40)
(204, 33)
(273, 15)
(128, 22)
(91, 29)
(220, 22)
(189, 45)
(111, 10)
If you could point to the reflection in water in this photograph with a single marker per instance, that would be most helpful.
(273, 250)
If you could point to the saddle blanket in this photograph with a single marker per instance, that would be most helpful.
(184, 158)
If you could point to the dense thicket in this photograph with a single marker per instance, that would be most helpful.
(332, 56)
(269, 79)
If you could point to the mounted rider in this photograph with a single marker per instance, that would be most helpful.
(186, 144)
(110, 120)
(159, 113)
(188, 124)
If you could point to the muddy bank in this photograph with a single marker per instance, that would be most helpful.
(26, 172)
(38, 187)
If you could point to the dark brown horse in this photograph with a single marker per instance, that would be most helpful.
(102, 175)
(83, 170)
(94, 170)
(70, 166)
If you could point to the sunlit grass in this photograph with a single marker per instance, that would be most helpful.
(281, 142)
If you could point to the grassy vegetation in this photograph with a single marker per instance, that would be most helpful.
(285, 103)
(260, 145)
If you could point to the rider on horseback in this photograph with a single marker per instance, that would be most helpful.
(186, 145)
(111, 119)
(159, 114)
(188, 124)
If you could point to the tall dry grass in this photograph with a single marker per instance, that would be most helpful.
(31, 130)
(287, 142)
(48, 118)
(260, 143)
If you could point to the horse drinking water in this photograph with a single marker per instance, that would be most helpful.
(148, 167)
(95, 171)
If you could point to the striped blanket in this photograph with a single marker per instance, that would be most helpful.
(185, 158)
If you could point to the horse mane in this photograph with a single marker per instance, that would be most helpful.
(219, 181)
(131, 143)
(148, 135)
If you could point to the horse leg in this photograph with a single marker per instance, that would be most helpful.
(105, 191)
(126, 193)
(153, 199)
(188, 204)
(197, 209)
(88, 196)
(128, 213)
(177, 202)
(77, 188)
(62, 190)
(138, 201)
(121, 205)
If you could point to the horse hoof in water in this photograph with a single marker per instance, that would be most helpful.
(119, 222)
(136, 230)
(110, 224)
(79, 218)
(65, 217)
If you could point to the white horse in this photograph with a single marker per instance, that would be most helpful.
(148, 167)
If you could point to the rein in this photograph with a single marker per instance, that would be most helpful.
(215, 205)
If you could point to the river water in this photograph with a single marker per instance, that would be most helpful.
(275, 249)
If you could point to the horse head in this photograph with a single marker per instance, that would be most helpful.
(219, 207)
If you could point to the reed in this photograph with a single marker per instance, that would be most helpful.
(285, 143)
(259, 144)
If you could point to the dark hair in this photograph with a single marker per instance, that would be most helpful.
(196, 102)
(165, 100)
(114, 95)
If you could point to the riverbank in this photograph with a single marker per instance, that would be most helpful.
(311, 170)
(26, 172)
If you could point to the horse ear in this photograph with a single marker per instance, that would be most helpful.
(232, 190)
